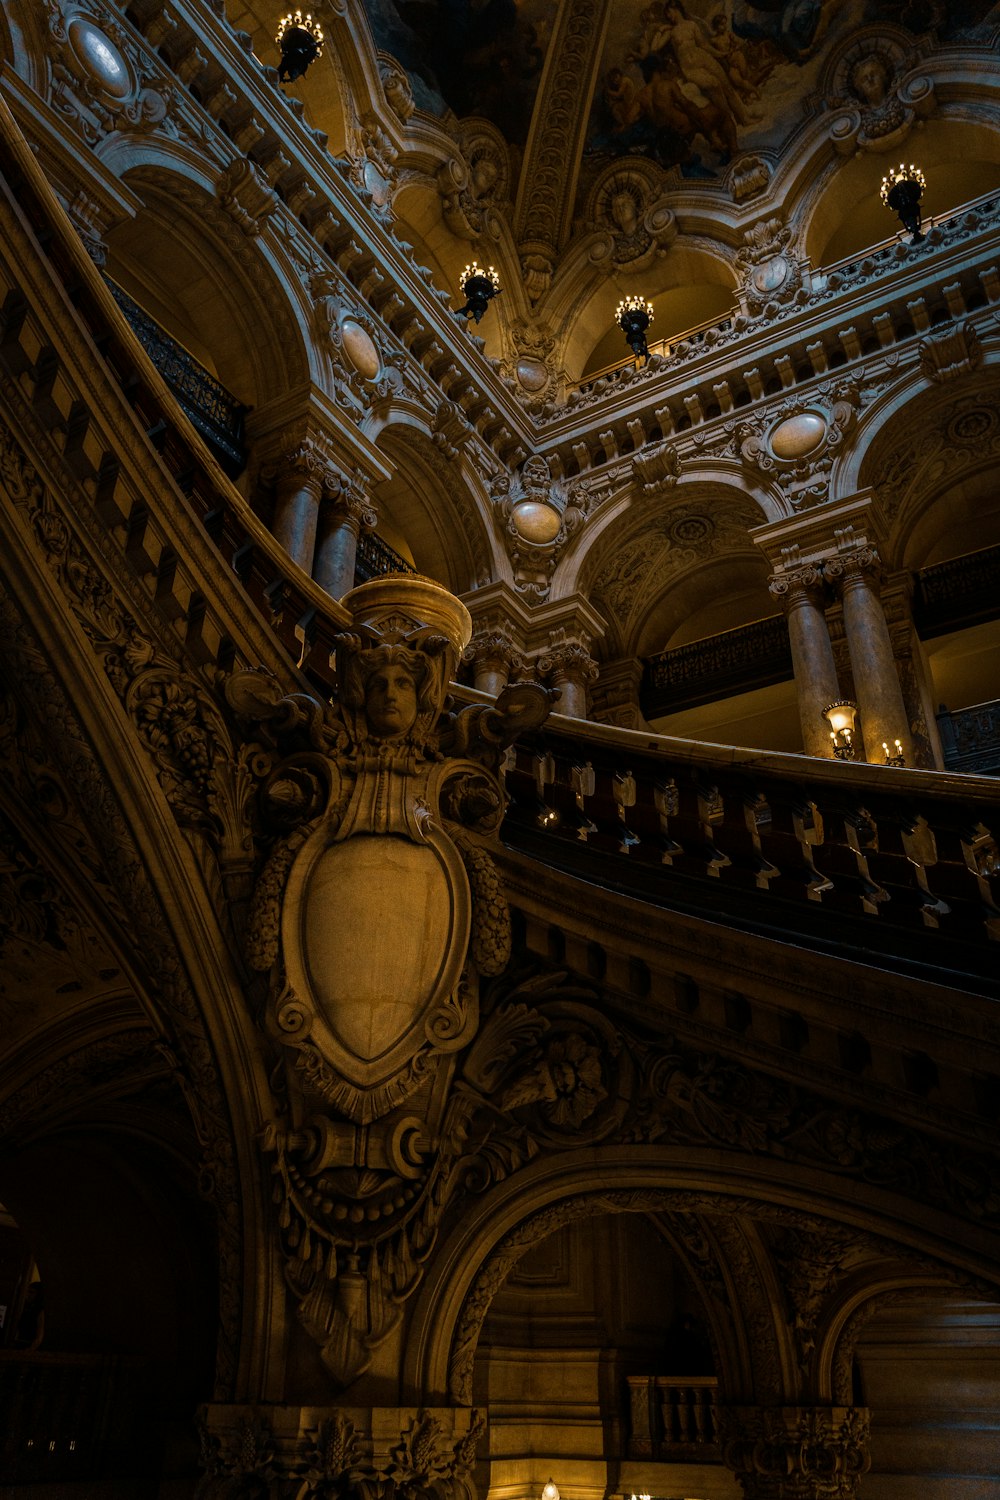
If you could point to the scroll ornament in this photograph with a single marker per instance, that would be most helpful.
(376, 911)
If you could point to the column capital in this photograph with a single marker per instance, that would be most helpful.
(394, 1452)
(567, 661)
(789, 588)
(348, 498)
(796, 1452)
(305, 462)
(861, 566)
(493, 648)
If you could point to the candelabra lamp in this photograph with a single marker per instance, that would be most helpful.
(840, 717)
(300, 39)
(634, 316)
(480, 287)
(902, 190)
(898, 759)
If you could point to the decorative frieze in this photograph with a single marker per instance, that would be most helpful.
(796, 1453)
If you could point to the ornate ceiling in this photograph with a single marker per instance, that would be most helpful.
(689, 86)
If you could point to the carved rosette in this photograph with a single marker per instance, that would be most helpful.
(795, 1452)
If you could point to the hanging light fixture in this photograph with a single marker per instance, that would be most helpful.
(902, 190)
(301, 41)
(480, 287)
(634, 316)
(840, 717)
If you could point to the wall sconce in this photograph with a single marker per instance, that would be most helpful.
(899, 759)
(840, 717)
(301, 41)
(550, 1491)
(634, 316)
(902, 190)
(480, 287)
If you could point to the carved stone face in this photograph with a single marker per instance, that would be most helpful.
(391, 701)
(623, 212)
(869, 81)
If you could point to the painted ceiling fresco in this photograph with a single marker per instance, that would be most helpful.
(692, 84)
(474, 57)
(687, 83)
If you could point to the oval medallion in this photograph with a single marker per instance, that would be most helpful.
(531, 373)
(536, 522)
(770, 275)
(360, 349)
(798, 436)
(100, 57)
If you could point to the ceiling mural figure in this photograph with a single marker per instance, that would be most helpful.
(694, 83)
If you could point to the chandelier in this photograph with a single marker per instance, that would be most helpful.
(300, 39)
(634, 316)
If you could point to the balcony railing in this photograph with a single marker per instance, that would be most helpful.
(375, 558)
(970, 738)
(216, 413)
(960, 592)
(673, 1417)
(882, 257)
(734, 661)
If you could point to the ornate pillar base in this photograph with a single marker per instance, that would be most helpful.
(390, 1452)
(796, 1452)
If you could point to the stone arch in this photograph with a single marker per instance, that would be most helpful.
(139, 866)
(472, 1263)
(695, 283)
(228, 302)
(932, 461)
(430, 502)
(842, 214)
(645, 547)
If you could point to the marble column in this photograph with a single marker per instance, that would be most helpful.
(297, 490)
(876, 681)
(800, 595)
(796, 1452)
(342, 516)
(914, 672)
(569, 667)
(493, 657)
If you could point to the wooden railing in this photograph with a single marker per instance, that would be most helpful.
(900, 865)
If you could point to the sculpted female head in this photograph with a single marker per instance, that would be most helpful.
(389, 684)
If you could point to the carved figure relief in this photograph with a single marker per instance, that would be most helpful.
(633, 222)
(474, 184)
(876, 105)
(375, 913)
